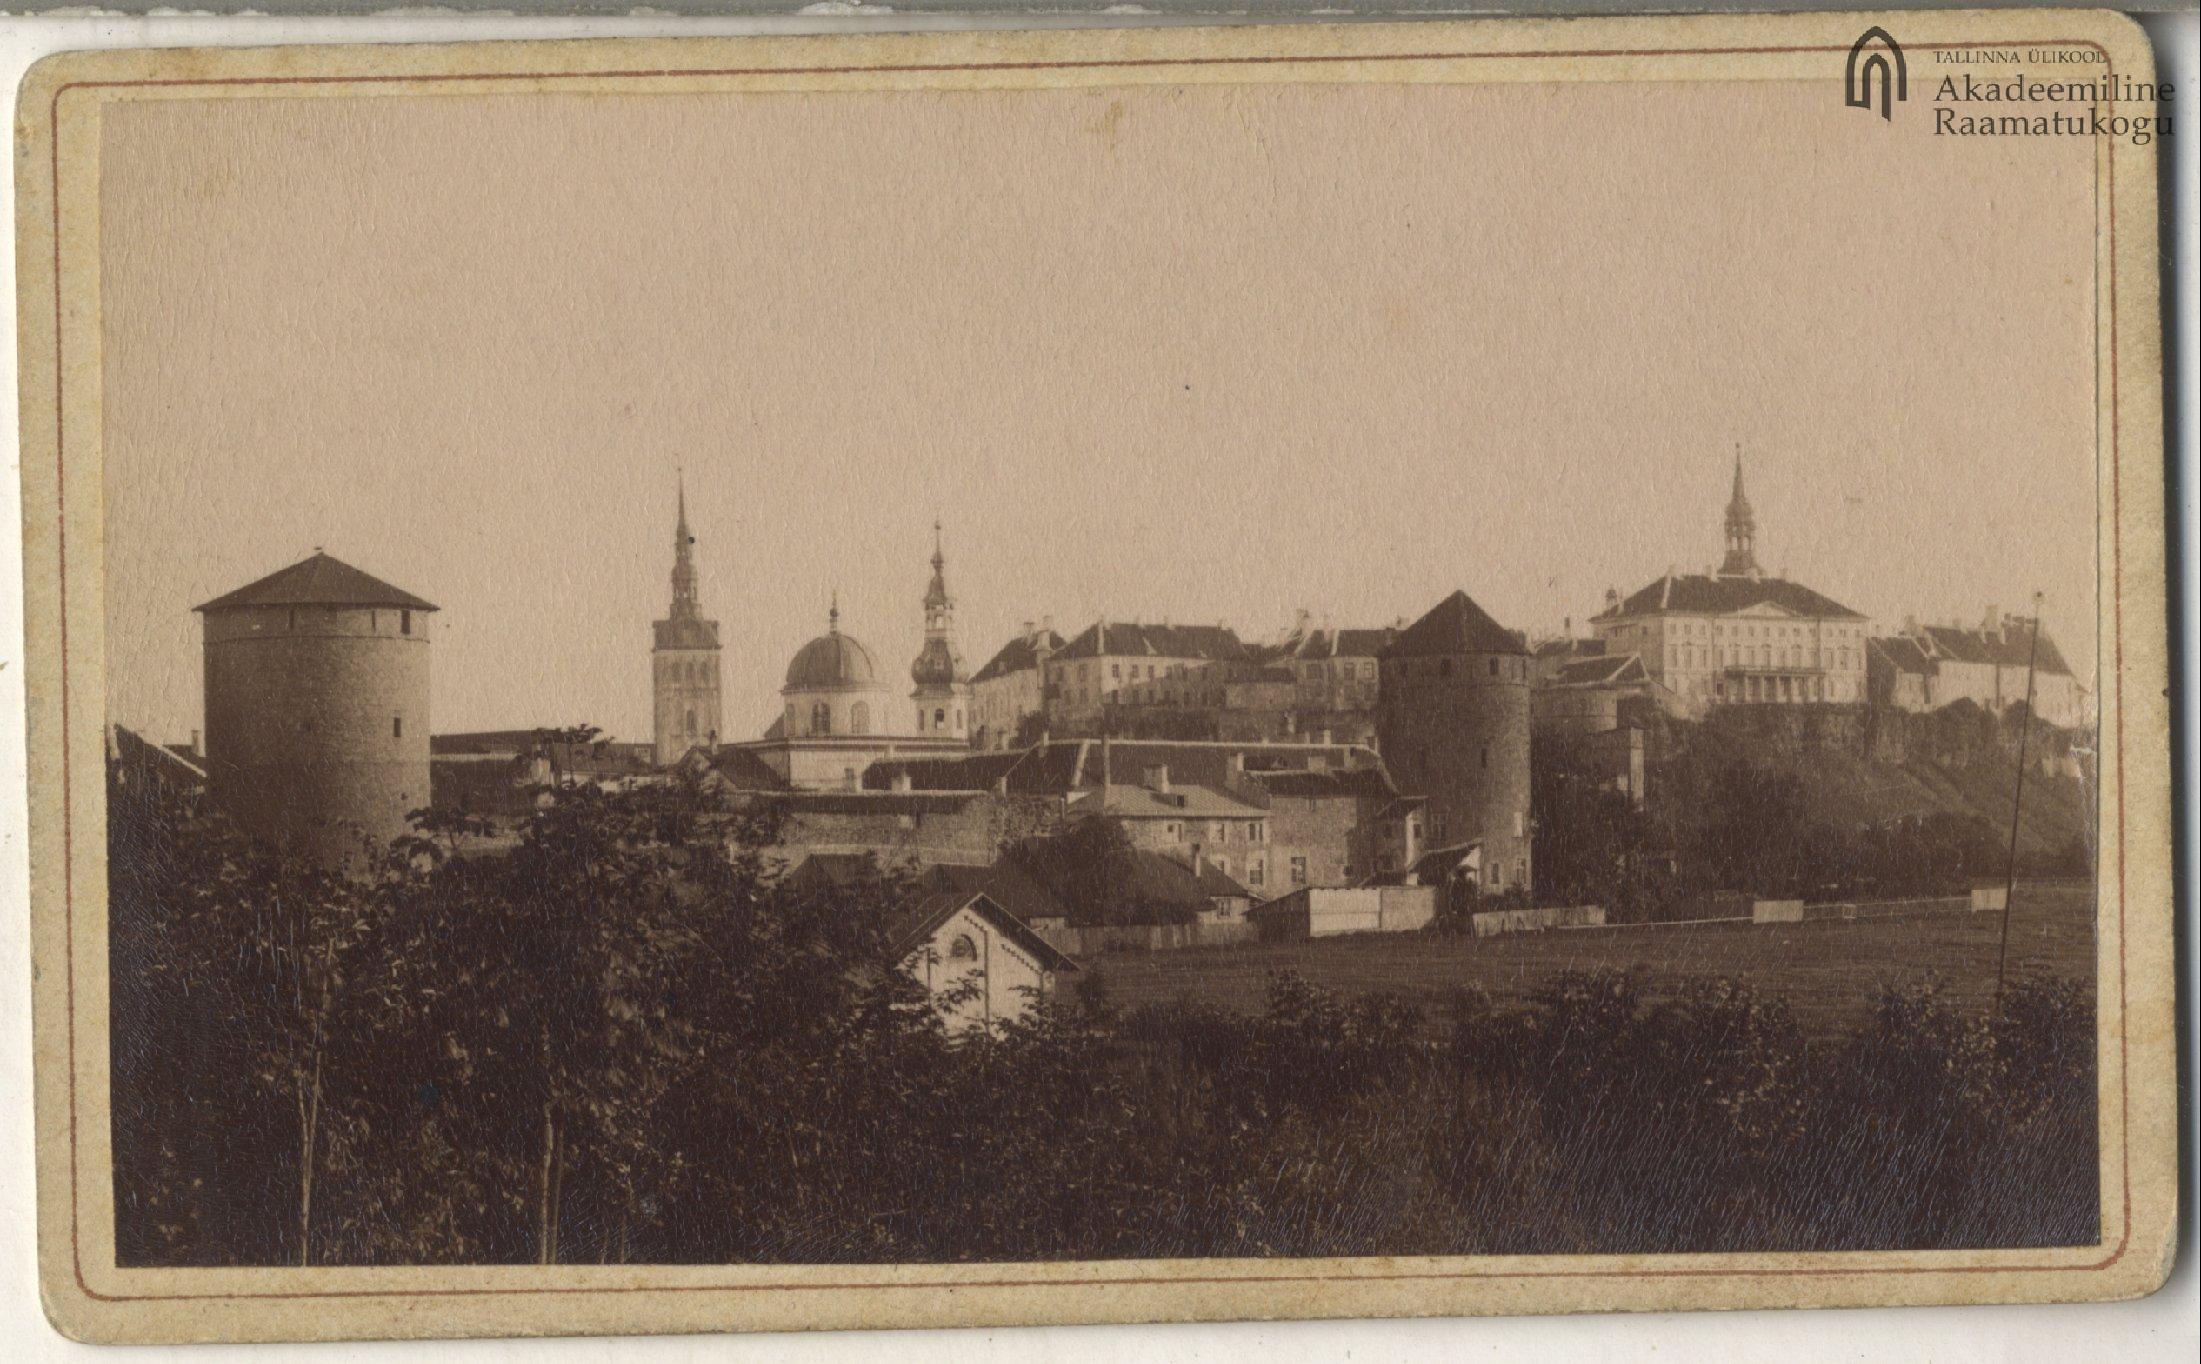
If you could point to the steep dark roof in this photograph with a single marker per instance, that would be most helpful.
(1018, 655)
(318, 581)
(910, 930)
(1704, 594)
(1456, 625)
(745, 771)
(1112, 639)
(1007, 884)
(1903, 654)
(1371, 783)
(2011, 647)
(1216, 883)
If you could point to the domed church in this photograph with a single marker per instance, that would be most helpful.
(833, 687)
(838, 716)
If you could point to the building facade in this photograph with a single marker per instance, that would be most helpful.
(684, 659)
(316, 693)
(1453, 713)
(981, 965)
(1118, 664)
(1008, 688)
(1926, 667)
(1738, 636)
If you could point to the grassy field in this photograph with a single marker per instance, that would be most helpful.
(1828, 970)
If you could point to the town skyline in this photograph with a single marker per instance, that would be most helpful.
(488, 408)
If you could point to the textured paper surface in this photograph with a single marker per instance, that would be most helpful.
(92, 128)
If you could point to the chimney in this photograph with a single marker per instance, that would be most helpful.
(1612, 599)
(1031, 631)
(1992, 624)
(1910, 626)
(1566, 626)
(194, 743)
(1157, 779)
(1238, 764)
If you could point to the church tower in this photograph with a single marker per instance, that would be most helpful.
(684, 658)
(943, 687)
(1742, 533)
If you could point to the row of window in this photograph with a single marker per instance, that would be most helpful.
(1749, 655)
(1257, 870)
(1220, 830)
(692, 672)
(374, 619)
(1504, 668)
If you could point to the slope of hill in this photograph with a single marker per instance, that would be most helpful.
(1860, 769)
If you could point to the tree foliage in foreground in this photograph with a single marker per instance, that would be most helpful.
(623, 1038)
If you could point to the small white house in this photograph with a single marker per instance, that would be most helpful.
(981, 963)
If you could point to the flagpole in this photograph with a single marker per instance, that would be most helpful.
(2017, 801)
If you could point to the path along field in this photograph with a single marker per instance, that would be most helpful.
(1828, 970)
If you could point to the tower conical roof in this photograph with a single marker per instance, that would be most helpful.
(1456, 625)
(318, 580)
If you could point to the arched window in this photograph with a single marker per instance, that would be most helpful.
(963, 949)
(859, 718)
(939, 717)
(691, 722)
(821, 718)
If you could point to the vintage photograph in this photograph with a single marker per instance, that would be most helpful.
(1099, 662)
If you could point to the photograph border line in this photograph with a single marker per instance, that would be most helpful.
(1832, 1271)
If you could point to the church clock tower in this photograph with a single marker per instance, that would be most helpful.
(943, 694)
(684, 658)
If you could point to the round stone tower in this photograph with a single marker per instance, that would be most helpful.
(317, 707)
(1452, 722)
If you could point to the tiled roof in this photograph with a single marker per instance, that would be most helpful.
(1371, 783)
(1180, 802)
(1702, 594)
(1901, 653)
(1456, 625)
(1018, 655)
(910, 930)
(1215, 882)
(2010, 648)
(318, 581)
(1010, 886)
(1158, 879)
(745, 771)
(1113, 639)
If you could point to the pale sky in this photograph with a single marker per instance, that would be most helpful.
(1190, 353)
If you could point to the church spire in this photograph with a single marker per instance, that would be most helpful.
(938, 671)
(684, 595)
(936, 595)
(1742, 531)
